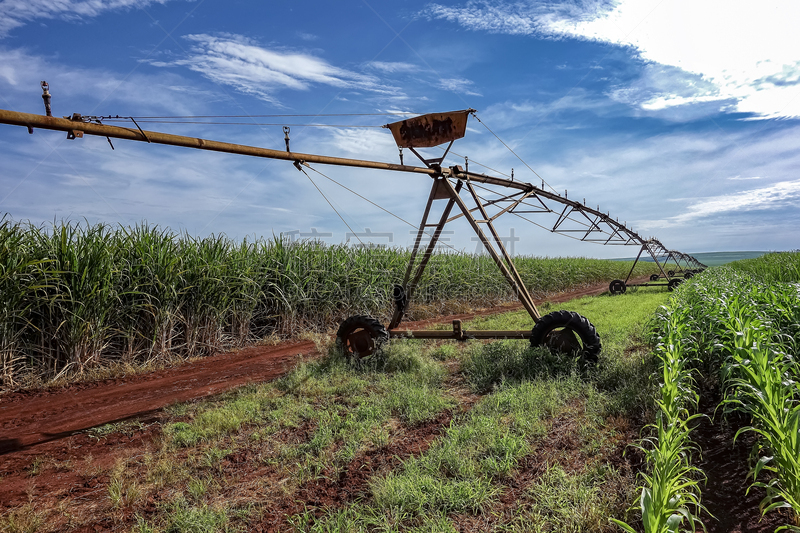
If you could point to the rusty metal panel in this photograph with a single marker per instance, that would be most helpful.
(440, 192)
(429, 130)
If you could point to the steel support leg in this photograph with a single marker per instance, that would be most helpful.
(437, 192)
(634, 263)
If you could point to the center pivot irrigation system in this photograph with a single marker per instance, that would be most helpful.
(662, 257)
(361, 336)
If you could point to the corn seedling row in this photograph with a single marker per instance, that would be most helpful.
(670, 493)
(741, 325)
(757, 330)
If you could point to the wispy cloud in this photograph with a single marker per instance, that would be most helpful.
(518, 18)
(21, 71)
(483, 16)
(745, 54)
(780, 195)
(558, 109)
(307, 36)
(392, 67)
(16, 13)
(252, 69)
(458, 85)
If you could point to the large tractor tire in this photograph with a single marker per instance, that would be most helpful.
(567, 332)
(361, 336)
(617, 287)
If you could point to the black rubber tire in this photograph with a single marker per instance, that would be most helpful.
(670, 273)
(674, 282)
(361, 336)
(653, 277)
(688, 275)
(552, 330)
(617, 287)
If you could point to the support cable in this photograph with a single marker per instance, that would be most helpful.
(297, 164)
(512, 151)
(272, 116)
(376, 205)
(156, 121)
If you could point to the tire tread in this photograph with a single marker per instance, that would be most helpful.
(577, 323)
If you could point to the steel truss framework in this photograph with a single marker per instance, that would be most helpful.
(685, 267)
(474, 196)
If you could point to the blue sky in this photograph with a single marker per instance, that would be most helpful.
(679, 117)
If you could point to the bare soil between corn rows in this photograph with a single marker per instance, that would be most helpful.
(49, 427)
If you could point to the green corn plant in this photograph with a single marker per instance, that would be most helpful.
(670, 492)
(751, 322)
(761, 384)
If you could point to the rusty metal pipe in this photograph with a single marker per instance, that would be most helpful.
(62, 124)
(78, 127)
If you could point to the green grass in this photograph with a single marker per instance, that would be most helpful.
(624, 321)
(185, 518)
(456, 474)
(560, 502)
(467, 468)
(344, 411)
(348, 409)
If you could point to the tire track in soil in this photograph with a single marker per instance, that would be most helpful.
(323, 494)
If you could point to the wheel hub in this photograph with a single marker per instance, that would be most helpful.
(360, 342)
(563, 341)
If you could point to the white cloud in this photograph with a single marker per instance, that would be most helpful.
(21, 72)
(520, 18)
(16, 13)
(241, 63)
(745, 53)
(509, 114)
(392, 67)
(458, 85)
(676, 185)
(307, 36)
(775, 197)
(365, 143)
